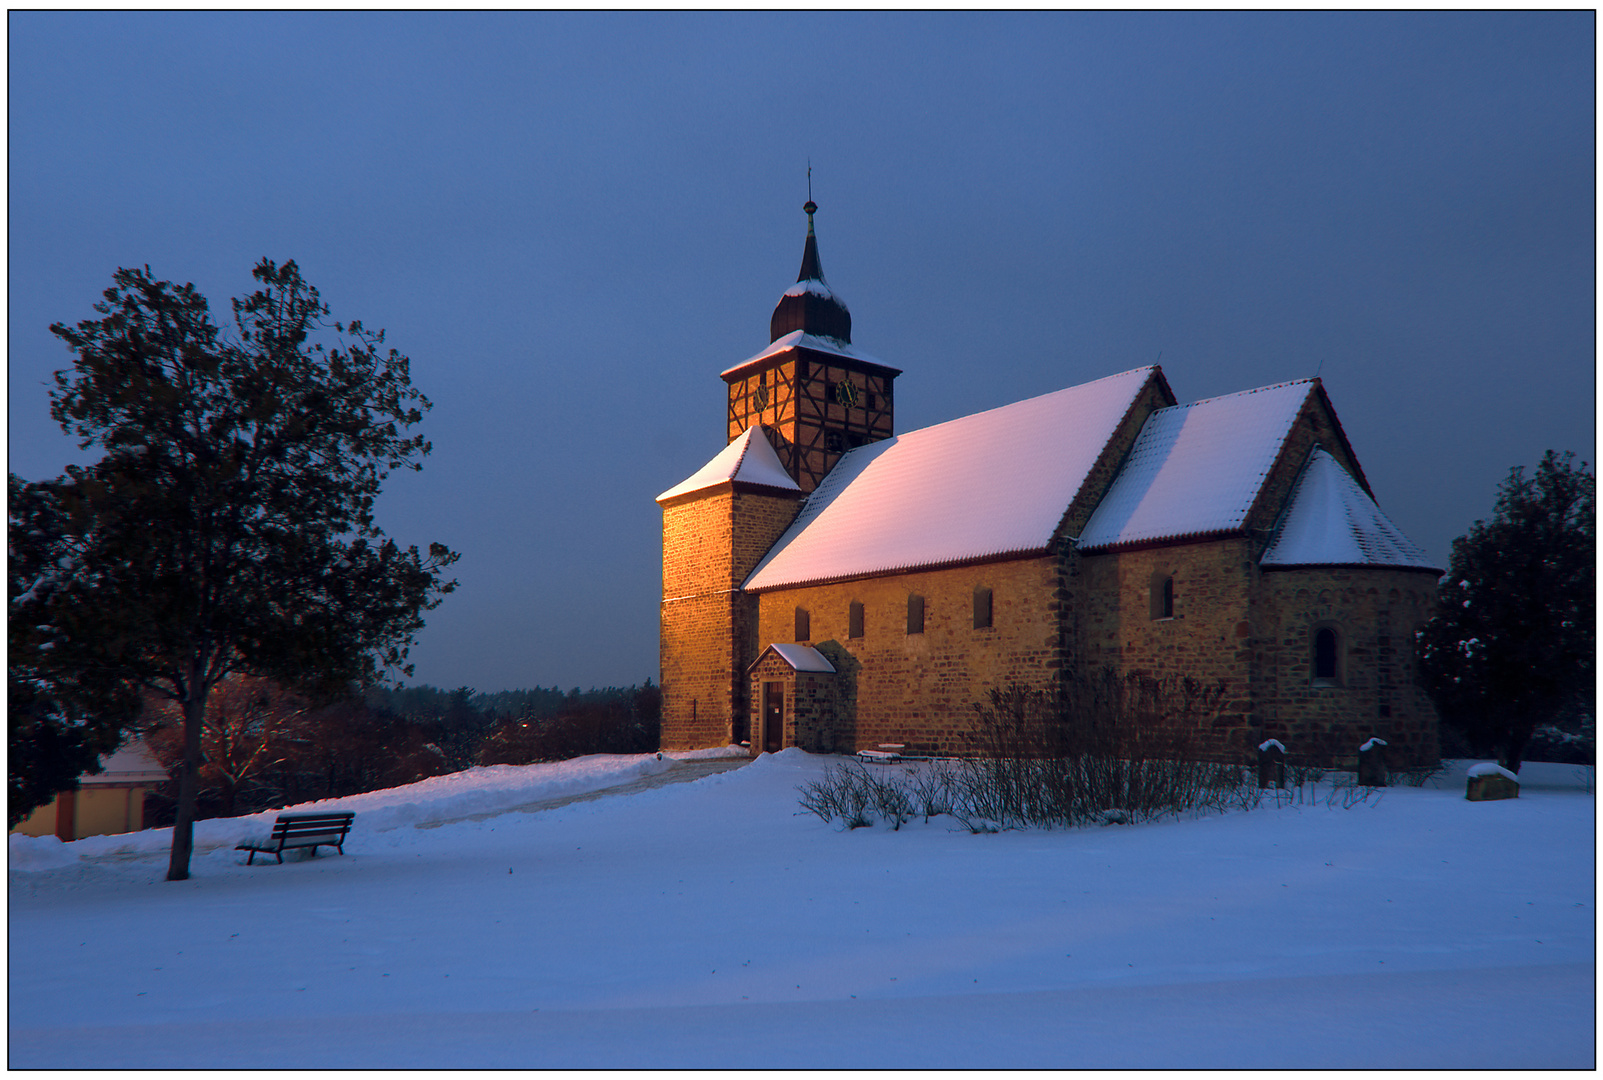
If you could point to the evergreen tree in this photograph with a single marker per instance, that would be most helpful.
(60, 719)
(228, 526)
(1512, 643)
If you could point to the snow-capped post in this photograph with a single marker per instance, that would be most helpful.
(1372, 764)
(1489, 780)
(1271, 764)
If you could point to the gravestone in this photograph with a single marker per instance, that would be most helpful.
(1271, 764)
(1372, 764)
(1488, 782)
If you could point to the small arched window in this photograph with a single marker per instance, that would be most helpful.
(804, 625)
(1327, 656)
(1162, 596)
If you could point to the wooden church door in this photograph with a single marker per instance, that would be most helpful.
(773, 716)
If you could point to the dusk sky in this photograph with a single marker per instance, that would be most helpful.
(572, 222)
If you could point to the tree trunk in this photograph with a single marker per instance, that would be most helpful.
(1515, 740)
(188, 785)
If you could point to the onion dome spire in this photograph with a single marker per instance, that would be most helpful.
(809, 305)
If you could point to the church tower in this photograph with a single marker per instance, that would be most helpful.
(817, 395)
(794, 409)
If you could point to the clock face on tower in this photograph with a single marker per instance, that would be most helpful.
(846, 392)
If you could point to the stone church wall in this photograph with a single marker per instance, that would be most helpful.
(920, 689)
(1254, 629)
(1208, 637)
(1375, 612)
(710, 542)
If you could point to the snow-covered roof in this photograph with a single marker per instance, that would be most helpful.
(133, 763)
(994, 483)
(1195, 469)
(817, 287)
(750, 459)
(800, 657)
(1331, 521)
(803, 340)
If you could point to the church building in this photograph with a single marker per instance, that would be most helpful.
(831, 584)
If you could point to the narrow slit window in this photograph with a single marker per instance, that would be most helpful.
(804, 625)
(1162, 596)
(854, 620)
(982, 607)
(915, 614)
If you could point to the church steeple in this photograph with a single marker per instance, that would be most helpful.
(809, 305)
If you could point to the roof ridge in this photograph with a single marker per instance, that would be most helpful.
(745, 448)
(1311, 380)
(1024, 401)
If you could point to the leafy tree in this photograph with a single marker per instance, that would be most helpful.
(228, 526)
(1512, 643)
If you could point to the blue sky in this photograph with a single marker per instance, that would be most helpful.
(572, 222)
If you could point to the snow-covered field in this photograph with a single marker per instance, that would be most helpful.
(711, 924)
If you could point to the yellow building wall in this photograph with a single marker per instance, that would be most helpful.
(100, 810)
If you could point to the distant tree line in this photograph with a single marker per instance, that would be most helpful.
(266, 747)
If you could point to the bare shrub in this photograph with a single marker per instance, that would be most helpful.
(1346, 792)
(846, 792)
(931, 789)
(1104, 742)
(1419, 775)
(1107, 747)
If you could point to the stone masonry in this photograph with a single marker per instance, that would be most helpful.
(712, 540)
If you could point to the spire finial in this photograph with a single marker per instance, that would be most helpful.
(810, 207)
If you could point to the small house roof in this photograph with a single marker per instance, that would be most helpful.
(750, 459)
(1331, 521)
(800, 657)
(132, 763)
(1196, 469)
(994, 483)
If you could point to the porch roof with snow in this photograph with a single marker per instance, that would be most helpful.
(750, 460)
(1195, 470)
(799, 657)
(1331, 521)
(992, 484)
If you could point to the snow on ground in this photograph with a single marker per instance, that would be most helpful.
(712, 924)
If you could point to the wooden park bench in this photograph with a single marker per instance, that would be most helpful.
(885, 755)
(301, 831)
